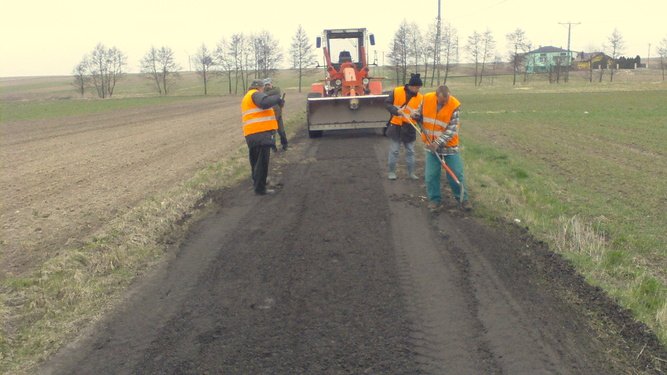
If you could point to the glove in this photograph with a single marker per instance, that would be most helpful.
(281, 102)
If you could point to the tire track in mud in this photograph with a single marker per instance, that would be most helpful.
(447, 336)
(474, 309)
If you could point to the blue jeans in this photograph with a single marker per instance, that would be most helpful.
(394, 147)
(433, 171)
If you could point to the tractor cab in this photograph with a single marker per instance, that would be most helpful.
(348, 97)
(346, 58)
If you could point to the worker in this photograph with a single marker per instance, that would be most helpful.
(407, 100)
(259, 128)
(440, 133)
(270, 89)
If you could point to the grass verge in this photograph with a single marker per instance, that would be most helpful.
(42, 311)
(585, 172)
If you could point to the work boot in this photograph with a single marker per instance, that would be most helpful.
(391, 175)
(433, 206)
(285, 147)
(413, 176)
(466, 206)
(266, 192)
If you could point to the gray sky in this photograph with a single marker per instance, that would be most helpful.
(47, 37)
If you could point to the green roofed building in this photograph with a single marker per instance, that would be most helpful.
(546, 59)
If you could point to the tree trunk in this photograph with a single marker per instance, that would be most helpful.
(300, 76)
(229, 80)
(446, 72)
(164, 81)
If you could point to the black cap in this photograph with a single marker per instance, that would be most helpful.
(415, 80)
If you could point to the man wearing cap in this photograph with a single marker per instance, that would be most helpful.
(270, 89)
(259, 128)
(403, 100)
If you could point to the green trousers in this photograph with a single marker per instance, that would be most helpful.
(433, 171)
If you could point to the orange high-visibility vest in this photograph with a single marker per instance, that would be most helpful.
(435, 122)
(256, 119)
(399, 99)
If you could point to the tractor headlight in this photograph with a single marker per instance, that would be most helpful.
(365, 81)
(339, 82)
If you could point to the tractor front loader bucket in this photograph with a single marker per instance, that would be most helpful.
(346, 112)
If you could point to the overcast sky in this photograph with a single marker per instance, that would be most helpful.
(49, 37)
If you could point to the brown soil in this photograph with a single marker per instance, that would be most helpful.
(63, 179)
(343, 271)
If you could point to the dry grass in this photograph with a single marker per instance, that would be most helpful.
(577, 236)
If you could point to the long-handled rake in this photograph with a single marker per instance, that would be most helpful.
(442, 161)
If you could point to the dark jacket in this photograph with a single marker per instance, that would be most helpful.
(264, 138)
(275, 90)
(405, 133)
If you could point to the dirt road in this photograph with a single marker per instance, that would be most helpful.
(344, 271)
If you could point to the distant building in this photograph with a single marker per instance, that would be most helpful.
(546, 59)
(598, 60)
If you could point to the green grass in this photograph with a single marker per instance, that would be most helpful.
(584, 170)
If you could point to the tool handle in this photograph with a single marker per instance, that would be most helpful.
(442, 161)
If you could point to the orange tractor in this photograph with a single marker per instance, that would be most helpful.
(348, 97)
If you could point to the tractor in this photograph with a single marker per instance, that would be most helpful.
(348, 97)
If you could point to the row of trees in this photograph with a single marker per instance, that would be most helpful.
(240, 58)
(243, 57)
(412, 49)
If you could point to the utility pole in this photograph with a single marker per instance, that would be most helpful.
(648, 57)
(436, 60)
(569, 52)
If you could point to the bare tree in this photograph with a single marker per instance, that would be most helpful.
(168, 67)
(662, 51)
(149, 66)
(433, 50)
(117, 60)
(399, 52)
(301, 52)
(203, 63)
(616, 44)
(236, 54)
(529, 47)
(250, 58)
(415, 45)
(267, 53)
(475, 49)
(517, 42)
(105, 68)
(81, 76)
(450, 41)
(488, 51)
(224, 59)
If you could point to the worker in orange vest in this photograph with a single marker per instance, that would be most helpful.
(407, 100)
(259, 128)
(440, 132)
